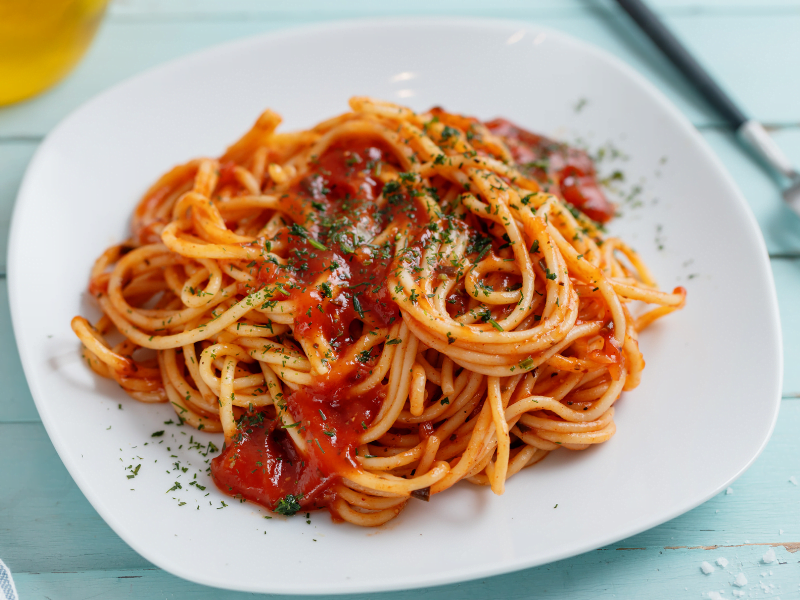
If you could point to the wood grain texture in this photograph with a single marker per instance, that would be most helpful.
(14, 158)
(655, 574)
(16, 402)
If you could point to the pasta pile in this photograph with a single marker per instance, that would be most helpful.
(372, 310)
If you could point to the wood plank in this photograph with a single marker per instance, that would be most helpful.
(16, 402)
(652, 573)
(278, 8)
(787, 283)
(14, 158)
(47, 526)
(749, 53)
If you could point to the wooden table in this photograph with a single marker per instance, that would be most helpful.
(58, 547)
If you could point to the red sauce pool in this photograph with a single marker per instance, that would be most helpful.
(264, 466)
(568, 172)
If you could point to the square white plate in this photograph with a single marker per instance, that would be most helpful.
(704, 411)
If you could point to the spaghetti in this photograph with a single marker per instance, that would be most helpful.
(376, 308)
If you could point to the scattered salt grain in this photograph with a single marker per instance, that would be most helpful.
(714, 596)
(722, 562)
(740, 580)
(780, 531)
(793, 480)
(769, 556)
(729, 491)
(738, 593)
(706, 567)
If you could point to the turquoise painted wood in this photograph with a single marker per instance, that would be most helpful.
(787, 282)
(14, 158)
(16, 403)
(652, 573)
(58, 546)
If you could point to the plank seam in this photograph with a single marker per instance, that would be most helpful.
(21, 139)
(126, 17)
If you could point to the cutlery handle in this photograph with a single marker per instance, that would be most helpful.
(683, 60)
(759, 140)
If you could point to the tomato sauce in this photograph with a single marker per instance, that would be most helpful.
(337, 200)
(263, 465)
(561, 169)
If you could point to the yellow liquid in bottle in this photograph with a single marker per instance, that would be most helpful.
(41, 41)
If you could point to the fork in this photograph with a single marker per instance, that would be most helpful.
(747, 130)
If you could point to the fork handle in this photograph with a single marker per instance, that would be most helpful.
(757, 137)
(683, 60)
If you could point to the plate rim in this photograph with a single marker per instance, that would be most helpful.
(302, 30)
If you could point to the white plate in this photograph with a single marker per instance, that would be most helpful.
(711, 389)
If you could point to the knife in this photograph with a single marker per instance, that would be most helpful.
(748, 130)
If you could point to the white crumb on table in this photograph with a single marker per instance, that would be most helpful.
(793, 480)
(729, 491)
(769, 556)
(706, 567)
(722, 562)
(740, 580)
